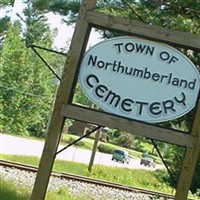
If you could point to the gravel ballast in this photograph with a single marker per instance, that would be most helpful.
(76, 188)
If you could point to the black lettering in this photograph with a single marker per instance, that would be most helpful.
(154, 108)
(138, 72)
(112, 97)
(107, 64)
(93, 60)
(100, 64)
(129, 47)
(91, 80)
(169, 78)
(100, 90)
(173, 59)
(126, 105)
(168, 105)
(150, 50)
(115, 66)
(181, 101)
(183, 82)
(191, 84)
(164, 55)
(120, 68)
(128, 71)
(118, 45)
(175, 81)
(140, 48)
(147, 73)
(141, 105)
(162, 77)
(156, 77)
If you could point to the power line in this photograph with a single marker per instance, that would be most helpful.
(21, 92)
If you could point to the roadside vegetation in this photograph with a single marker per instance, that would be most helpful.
(153, 180)
(9, 191)
(142, 147)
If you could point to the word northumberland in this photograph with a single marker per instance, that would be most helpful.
(145, 73)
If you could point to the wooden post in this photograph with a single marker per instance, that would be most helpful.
(94, 150)
(64, 95)
(190, 160)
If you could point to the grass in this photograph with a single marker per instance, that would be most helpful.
(132, 177)
(9, 191)
(151, 180)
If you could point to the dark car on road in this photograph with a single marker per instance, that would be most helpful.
(120, 155)
(147, 161)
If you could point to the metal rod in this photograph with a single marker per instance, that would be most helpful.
(80, 138)
(50, 50)
(44, 61)
(166, 166)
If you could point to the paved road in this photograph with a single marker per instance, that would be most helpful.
(21, 146)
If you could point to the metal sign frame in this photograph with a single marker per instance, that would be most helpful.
(63, 107)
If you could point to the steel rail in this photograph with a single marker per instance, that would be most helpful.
(73, 177)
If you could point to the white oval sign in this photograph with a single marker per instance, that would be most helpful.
(139, 79)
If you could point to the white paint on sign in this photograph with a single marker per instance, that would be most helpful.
(139, 79)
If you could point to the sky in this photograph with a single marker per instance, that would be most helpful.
(65, 32)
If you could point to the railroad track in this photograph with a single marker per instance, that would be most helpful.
(73, 177)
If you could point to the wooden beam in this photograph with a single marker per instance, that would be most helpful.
(138, 128)
(144, 30)
(190, 160)
(64, 95)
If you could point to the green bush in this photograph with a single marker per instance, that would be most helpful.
(105, 148)
(138, 146)
(79, 143)
(126, 140)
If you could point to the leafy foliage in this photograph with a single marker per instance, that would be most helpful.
(126, 140)
(105, 148)
(37, 29)
(6, 3)
(26, 85)
(5, 6)
(69, 9)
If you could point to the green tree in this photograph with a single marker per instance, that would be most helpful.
(26, 87)
(5, 7)
(37, 29)
(26, 83)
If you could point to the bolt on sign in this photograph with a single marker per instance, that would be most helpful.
(139, 79)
